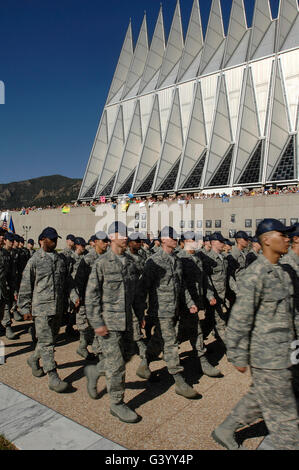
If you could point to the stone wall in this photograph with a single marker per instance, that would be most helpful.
(83, 222)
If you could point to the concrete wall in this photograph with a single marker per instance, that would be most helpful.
(83, 222)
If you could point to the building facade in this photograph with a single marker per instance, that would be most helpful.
(200, 113)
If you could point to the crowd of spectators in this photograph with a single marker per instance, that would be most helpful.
(167, 197)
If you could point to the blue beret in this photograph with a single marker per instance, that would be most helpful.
(271, 225)
(50, 233)
(217, 237)
(80, 241)
(9, 236)
(242, 234)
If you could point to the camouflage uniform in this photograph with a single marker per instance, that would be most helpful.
(215, 266)
(137, 333)
(68, 317)
(42, 293)
(110, 299)
(290, 263)
(9, 285)
(251, 257)
(162, 281)
(259, 334)
(236, 266)
(77, 292)
(83, 272)
(196, 282)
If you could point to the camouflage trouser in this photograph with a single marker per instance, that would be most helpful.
(6, 319)
(47, 329)
(97, 346)
(190, 329)
(138, 337)
(83, 324)
(2, 308)
(215, 318)
(165, 339)
(118, 349)
(271, 398)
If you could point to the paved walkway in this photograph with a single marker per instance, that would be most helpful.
(33, 417)
(32, 426)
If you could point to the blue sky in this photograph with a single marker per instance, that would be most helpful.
(57, 61)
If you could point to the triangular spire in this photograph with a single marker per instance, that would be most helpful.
(132, 150)
(114, 153)
(288, 12)
(249, 131)
(278, 121)
(236, 30)
(194, 41)
(214, 35)
(260, 24)
(174, 48)
(292, 38)
(173, 142)
(262, 73)
(240, 54)
(97, 157)
(151, 147)
(123, 65)
(196, 140)
(139, 59)
(155, 55)
(221, 138)
(267, 45)
(289, 64)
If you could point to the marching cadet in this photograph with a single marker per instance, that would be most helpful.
(134, 247)
(253, 253)
(8, 290)
(215, 266)
(228, 246)
(42, 291)
(91, 242)
(145, 251)
(260, 332)
(23, 255)
(93, 372)
(70, 245)
(110, 298)
(237, 259)
(206, 248)
(69, 317)
(76, 295)
(162, 282)
(290, 263)
(30, 247)
(2, 233)
(196, 282)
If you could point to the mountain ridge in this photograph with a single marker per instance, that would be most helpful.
(42, 191)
